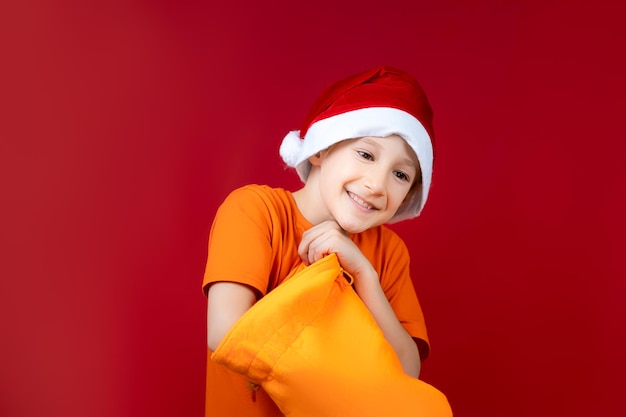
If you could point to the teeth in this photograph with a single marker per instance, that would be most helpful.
(361, 202)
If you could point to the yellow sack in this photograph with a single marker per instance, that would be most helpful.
(317, 351)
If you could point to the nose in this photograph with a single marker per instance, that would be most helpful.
(375, 180)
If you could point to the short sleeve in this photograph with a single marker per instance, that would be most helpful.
(239, 248)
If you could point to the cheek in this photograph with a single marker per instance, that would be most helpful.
(399, 193)
(334, 171)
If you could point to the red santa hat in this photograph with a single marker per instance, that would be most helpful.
(380, 102)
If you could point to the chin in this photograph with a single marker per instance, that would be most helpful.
(353, 230)
(356, 228)
(354, 224)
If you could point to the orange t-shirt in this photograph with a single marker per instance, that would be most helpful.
(254, 241)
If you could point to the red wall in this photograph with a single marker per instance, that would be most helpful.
(124, 125)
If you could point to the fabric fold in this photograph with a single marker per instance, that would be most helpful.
(316, 350)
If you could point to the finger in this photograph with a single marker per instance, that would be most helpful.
(322, 246)
(329, 242)
(303, 252)
(308, 237)
(303, 247)
(320, 240)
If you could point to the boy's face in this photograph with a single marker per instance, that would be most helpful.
(364, 181)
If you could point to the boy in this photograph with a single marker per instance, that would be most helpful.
(365, 155)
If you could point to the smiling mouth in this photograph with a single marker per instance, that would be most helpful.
(361, 202)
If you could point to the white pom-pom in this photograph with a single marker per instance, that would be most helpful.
(291, 148)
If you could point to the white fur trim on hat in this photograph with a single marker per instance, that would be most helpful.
(371, 121)
(291, 148)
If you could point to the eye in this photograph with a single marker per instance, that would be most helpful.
(401, 175)
(365, 155)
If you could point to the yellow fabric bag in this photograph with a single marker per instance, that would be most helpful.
(317, 351)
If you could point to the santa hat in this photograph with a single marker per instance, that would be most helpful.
(380, 102)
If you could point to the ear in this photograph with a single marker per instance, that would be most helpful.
(316, 160)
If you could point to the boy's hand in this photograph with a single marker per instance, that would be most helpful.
(328, 237)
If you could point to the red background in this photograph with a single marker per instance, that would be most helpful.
(124, 125)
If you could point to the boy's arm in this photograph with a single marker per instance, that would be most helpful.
(367, 286)
(328, 237)
(227, 302)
